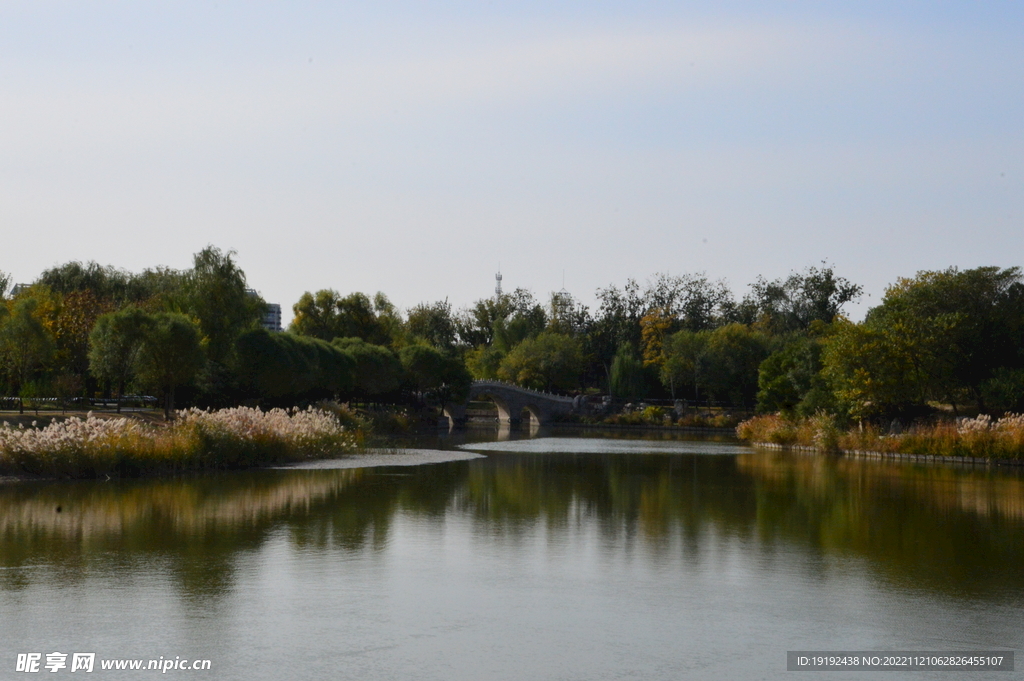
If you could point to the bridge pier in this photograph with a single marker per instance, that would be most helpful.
(456, 414)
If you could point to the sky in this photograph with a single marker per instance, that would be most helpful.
(415, 147)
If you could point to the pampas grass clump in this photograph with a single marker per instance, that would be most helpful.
(196, 440)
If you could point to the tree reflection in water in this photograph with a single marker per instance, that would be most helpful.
(957, 531)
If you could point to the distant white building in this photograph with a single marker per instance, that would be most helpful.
(271, 316)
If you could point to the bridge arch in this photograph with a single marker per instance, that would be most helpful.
(506, 413)
(536, 414)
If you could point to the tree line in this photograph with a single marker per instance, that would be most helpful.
(951, 337)
(195, 337)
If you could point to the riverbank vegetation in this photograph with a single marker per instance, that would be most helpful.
(196, 440)
(980, 437)
(941, 345)
(664, 417)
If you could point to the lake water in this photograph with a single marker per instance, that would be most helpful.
(565, 556)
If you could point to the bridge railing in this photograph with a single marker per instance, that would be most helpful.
(513, 386)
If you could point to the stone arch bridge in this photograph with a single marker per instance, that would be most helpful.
(511, 400)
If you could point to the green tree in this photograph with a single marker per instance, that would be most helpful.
(357, 318)
(284, 368)
(683, 360)
(438, 377)
(794, 303)
(25, 344)
(692, 301)
(105, 283)
(1004, 391)
(617, 323)
(156, 289)
(335, 370)
(434, 323)
(643, 318)
(171, 355)
(389, 321)
(115, 345)
(454, 384)
(791, 380)
(152, 290)
(873, 371)
(316, 315)
(327, 315)
(421, 365)
(475, 325)
(964, 325)
(567, 316)
(504, 320)
(273, 366)
(730, 363)
(942, 336)
(484, 362)
(216, 295)
(377, 369)
(527, 319)
(547, 361)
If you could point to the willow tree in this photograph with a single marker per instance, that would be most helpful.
(626, 380)
(215, 294)
(285, 367)
(377, 370)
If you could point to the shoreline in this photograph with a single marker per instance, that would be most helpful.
(893, 456)
(377, 458)
(370, 458)
(609, 426)
(626, 426)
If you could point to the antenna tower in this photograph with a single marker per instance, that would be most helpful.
(497, 286)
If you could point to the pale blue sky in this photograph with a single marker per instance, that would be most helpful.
(410, 147)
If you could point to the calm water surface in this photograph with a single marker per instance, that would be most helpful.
(567, 556)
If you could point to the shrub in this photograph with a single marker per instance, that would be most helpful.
(724, 421)
(653, 415)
